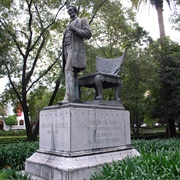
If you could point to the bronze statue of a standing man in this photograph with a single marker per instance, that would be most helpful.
(74, 56)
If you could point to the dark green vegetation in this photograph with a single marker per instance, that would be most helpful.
(12, 133)
(160, 159)
(14, 155)
(13, 174)
(12, 136)
(12, 139)
(11, 120)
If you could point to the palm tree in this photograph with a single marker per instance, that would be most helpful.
(158, 4)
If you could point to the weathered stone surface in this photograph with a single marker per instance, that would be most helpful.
(75, 139)
(82, 128)
(56, 167)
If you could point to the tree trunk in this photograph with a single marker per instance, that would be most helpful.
(26, 117)
(171, 129)
(55, 92)
(159, 9)
(133, 128)
(36, 131)
(27, 123)
(178, 126)
(137, 124)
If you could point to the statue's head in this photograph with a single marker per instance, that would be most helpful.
(72, 10)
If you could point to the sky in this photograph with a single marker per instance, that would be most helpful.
(147, 18)
(3, 82)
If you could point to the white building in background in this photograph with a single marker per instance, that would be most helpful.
(20, 121)
(9, 112)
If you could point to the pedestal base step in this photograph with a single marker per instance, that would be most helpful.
(55, 167)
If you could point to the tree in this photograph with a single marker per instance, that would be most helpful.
(137, 77)
(38, 99)
(11, 120)
(2, 111)
(28, 31)
(158, 4)
(164, 99)
(175, 17)
(175, 20)
(114, 29)
(4, 46)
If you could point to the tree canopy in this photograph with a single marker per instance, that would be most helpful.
(30, 54)
(29, 28)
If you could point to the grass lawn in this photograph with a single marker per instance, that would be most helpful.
(152, 130)
(5, 137)
(152, 133)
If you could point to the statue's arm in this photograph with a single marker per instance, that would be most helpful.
(85, 32)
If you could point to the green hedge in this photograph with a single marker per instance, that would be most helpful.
(13, 133)
(12, 139)
(159, 160)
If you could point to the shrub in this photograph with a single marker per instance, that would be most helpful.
(12, 174)
(13, 133)
(12, 139)
(11, 120)
(159, 160)
(14, 155)
(156, 145)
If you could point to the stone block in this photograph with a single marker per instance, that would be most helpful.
(75, 139)
(55, 167)
(83, 128)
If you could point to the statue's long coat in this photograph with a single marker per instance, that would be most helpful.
(82, 32)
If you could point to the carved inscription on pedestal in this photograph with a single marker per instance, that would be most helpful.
(106, 129)
(77, 129)
(53, 128)
(98, 128)
(54, 133)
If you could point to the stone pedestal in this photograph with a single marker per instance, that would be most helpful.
(76, 139)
